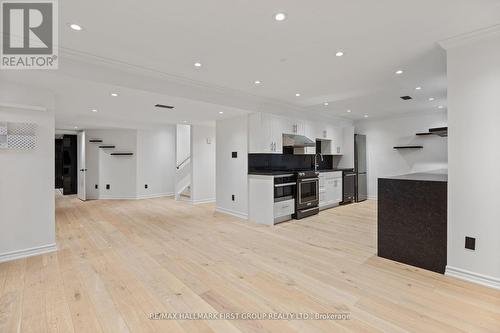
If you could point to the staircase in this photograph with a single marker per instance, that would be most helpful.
(183, 180)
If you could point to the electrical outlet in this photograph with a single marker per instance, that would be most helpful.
(96, 186)
(470, 243)
(146, 186)
(232, 197)
(108, 186)
(234, 154)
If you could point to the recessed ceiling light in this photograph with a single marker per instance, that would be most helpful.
(399, 72)
(431, 99)
(326, 104)
(297, 95)
(349, 111)
(441, 107)
(94, 110)
(221, 112)
(339, 54)
(280, 17)
(366, 116)
(114, 94)
(76, 27)
(418, 88)
(197, 64)
(257, 82)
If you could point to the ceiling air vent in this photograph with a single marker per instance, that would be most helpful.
(406, 98)
(164, 106)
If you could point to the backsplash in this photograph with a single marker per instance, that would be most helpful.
(258, 162)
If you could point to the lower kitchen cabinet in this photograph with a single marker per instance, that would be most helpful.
(262, 208)
(330, 189)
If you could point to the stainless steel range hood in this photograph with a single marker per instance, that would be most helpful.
(301, 144)
(297, 141)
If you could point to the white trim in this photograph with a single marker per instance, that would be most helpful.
(470, 37)
(33, 251)
(232, 212)
(116, 198)
(152, 196)
(488, 281)
(22, 106)
(203, 201)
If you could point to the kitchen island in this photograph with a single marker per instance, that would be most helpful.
(412, 219)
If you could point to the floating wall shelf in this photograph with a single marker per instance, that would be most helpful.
(107, 147)
(95, 140)
(409, 147)
(122, 154)
(439, 131)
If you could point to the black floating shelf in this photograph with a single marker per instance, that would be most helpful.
(107, 147)
(409, 147)
(95, 140)
(441, 131)
(422, 134)
(122, 154)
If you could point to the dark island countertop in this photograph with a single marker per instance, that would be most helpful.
(412, 219)
(422, 176)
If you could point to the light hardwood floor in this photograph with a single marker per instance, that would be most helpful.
(119, 261)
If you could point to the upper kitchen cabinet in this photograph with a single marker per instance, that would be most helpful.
(266, 131)
(338, 141)
(265, 135)
(324, 131)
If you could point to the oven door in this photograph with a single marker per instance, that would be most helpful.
(307, 193)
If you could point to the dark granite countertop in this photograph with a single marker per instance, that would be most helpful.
(422, 176)
(271, 173)
(286, 172)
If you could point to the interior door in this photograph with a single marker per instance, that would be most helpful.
(82, 169)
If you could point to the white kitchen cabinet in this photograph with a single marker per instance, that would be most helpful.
(338, 141)
(261, 206)
(265, 134)
(330, 189)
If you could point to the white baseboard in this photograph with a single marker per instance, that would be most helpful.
(463, 274)
(232, 212)
(34, 251)
(203, 201)
(139, 197)
(152, 196)
(104, 197)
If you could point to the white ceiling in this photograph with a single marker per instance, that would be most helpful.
(238, 42)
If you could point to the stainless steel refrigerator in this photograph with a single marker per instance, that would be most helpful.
(360, 167)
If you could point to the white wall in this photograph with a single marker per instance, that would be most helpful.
(27, 189)
(232, 173)
(156, 162)
(183, 143)
(153, 163)
(203, 145)
(383, 134)
(117, 171)
(474, 156)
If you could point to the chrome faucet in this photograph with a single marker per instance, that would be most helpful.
(316, 161)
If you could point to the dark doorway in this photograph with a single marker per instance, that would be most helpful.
(59, 163)
(66, 165)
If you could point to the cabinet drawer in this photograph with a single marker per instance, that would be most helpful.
(284, 208)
